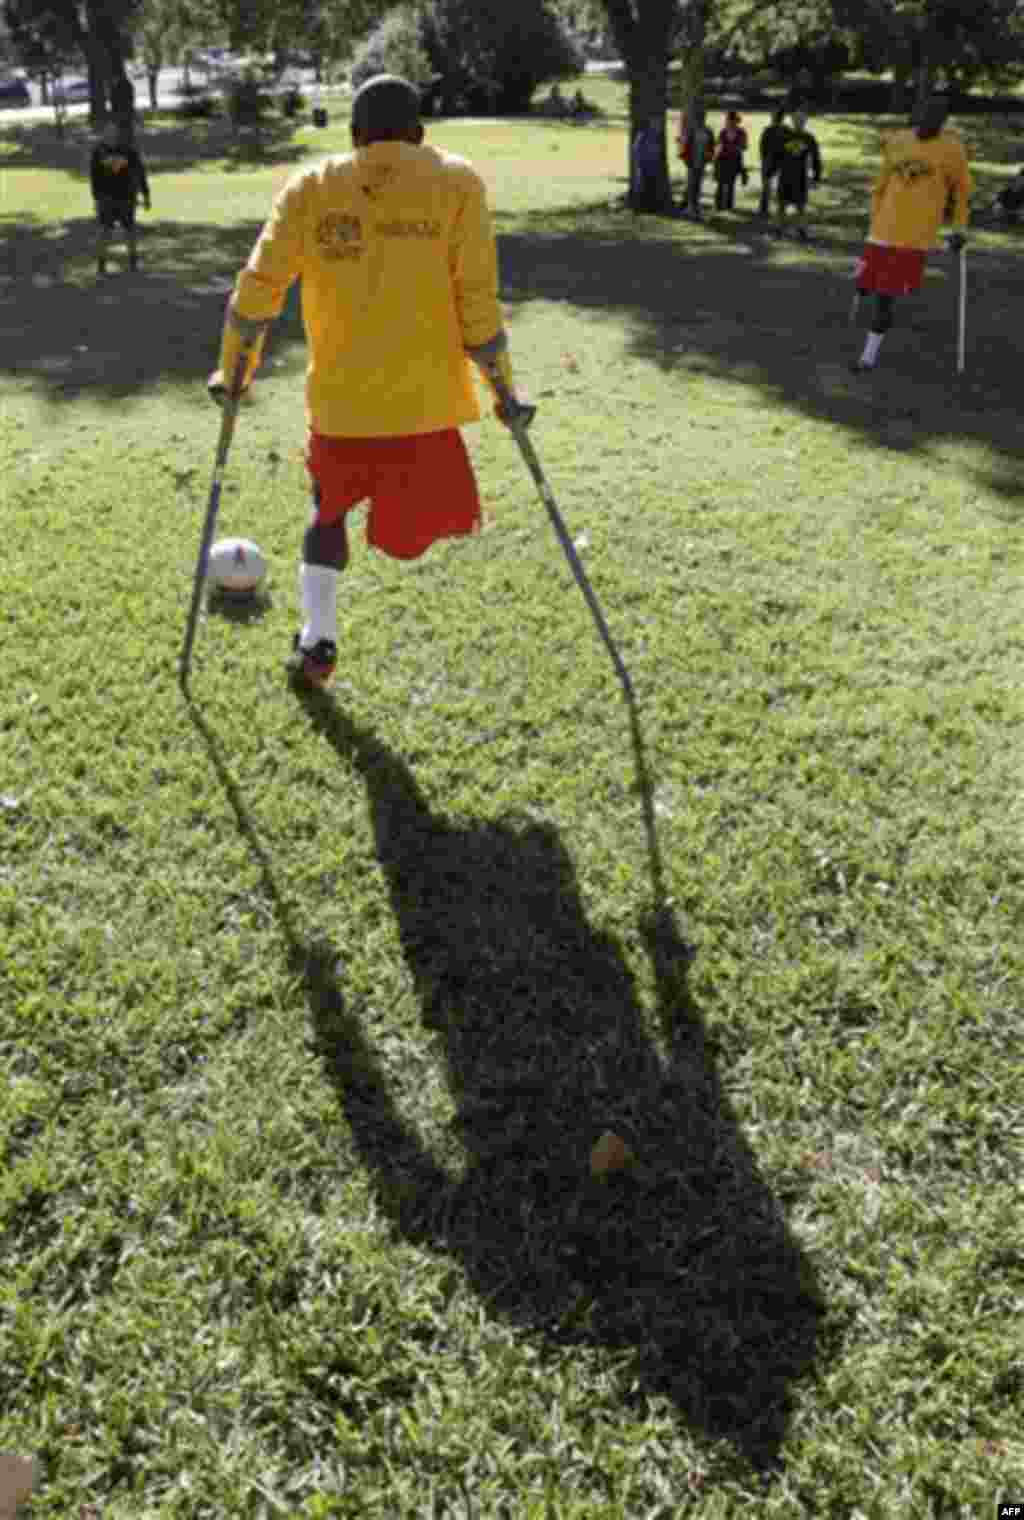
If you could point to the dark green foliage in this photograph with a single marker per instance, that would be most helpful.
(480, 57)
(245, 102)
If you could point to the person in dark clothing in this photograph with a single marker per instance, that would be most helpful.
(729, 166)
(118, 178)
(696, 149)
(122, 106)
(647, 151)
(768, 147)
(1009, 203)
(798, 160)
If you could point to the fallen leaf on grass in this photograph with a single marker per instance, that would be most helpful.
(17, 1475)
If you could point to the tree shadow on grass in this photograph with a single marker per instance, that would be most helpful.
(727, 301)
(67, 333)
(723, 300)
(684, 1266)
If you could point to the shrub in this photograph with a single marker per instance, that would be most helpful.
(473, 55)
(244, 101)
(496, 55)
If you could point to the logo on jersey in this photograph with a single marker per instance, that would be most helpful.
(339, 236)
(913, 169)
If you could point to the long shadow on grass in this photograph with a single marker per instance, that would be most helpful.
(722, 301)
(686, 1263)
(69, 334)
(727, 302)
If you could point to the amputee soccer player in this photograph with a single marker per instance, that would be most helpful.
(797, 159)
(118, 178)
(923, 169)
(395, 249)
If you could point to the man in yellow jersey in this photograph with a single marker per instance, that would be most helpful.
(396, 252)
(923, 168)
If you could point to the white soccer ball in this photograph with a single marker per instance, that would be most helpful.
(237, 566)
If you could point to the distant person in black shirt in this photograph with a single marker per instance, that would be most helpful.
(798, 159)
(768, 148)
(118, 179)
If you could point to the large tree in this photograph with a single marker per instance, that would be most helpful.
(959, 41)
(265, 25)
(647, 34)
(482, 53)
(98, 29)
(800, 37)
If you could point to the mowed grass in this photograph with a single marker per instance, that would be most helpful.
(312, 1009)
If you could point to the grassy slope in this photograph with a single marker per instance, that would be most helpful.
(310, 1012)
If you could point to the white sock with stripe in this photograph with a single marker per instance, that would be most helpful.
(318, 593)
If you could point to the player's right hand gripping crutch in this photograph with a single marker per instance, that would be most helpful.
(518, 416)
(230, 402)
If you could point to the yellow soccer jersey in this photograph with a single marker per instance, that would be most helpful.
(918, 178)
(396, 253)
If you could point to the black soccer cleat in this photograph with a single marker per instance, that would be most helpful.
(313, 667)
(858, 367)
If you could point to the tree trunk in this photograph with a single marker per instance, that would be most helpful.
(899, 100)
(691, 84)
(925, 61)
(643, 32)
(152, 79)
(925, 81)
(97, 85)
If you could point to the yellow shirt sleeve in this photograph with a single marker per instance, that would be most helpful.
(275, 262)
(474, 268)
(960, 184)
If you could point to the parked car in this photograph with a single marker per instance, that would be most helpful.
(14, 92)
(70, 92)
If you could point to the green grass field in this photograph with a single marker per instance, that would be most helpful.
(311, 1009)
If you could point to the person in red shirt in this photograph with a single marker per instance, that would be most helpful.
(396, 252)
(729, 165)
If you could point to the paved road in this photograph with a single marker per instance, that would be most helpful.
(168, 94)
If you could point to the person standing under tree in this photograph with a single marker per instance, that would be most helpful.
(396, 252)
(924, 169)
(769, 147)
(696, 150)
(798, 159)
(646, 163)
(118, 178)
(1009, 203)
(729, 166)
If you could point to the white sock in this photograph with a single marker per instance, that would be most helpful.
(318, 593)
(871, 347)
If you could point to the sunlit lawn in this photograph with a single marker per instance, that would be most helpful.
(311, 1010)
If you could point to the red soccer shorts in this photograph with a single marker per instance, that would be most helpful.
(890, 271)
(420, 487)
